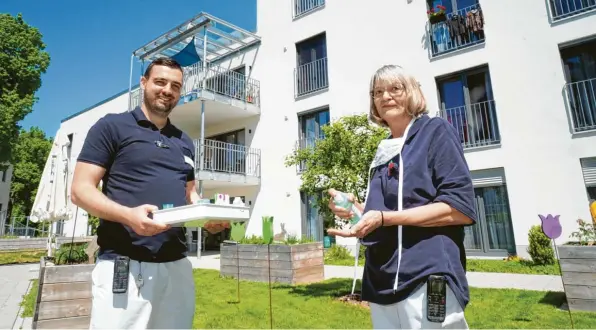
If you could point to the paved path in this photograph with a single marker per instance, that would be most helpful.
(475, 279)
(14, 283)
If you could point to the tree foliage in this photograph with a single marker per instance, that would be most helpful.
(340, 160)
(23, 60)
(30, 153)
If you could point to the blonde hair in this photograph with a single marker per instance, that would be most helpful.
(415, 101)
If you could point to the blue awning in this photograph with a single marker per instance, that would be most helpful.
(187, 56)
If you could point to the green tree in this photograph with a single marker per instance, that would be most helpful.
(341, 160)
(30, 153)
(23, 60)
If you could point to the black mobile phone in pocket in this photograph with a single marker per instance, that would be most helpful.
(436, 298)
(120, 279)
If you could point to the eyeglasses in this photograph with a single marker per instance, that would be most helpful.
(394, 91)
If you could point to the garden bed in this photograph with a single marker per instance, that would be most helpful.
(578, 265)
(63, 298)
(288, 264)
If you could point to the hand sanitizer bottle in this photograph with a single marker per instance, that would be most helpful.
(341, 200)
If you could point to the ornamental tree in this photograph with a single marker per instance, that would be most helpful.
(23, 60)
(340, 160)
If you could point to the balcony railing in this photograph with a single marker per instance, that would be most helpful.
(218, 80)
(476, 124)
(457, 30)
(303, 7)
(581, 104)
(560, 9)
(311, 77)
(228, 158)
(135, 98)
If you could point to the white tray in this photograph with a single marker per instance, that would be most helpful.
(197, 215)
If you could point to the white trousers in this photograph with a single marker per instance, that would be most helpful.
(166, 299)
(411, 313)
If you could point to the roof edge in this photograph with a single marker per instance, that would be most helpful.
(99, 103)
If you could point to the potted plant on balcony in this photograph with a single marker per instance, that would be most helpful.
(437, 14)
(249, 94)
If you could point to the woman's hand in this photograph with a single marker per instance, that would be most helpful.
(370, 221)
(340, 211)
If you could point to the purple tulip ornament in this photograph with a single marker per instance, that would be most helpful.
(551, 227)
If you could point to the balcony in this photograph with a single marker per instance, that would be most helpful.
(581, 104)
(228, 95)
(457, 30)
(476, 124)
(311, 77)
(303, 7)
(221, 163)
(560, 9)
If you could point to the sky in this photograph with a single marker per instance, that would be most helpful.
(90, 45)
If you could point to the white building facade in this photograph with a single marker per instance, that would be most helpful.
(519, 86)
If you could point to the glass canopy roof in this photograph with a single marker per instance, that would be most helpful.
(186, 42)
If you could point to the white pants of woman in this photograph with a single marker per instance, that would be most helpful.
(166, 300)
(411, 313)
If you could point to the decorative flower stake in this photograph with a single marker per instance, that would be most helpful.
(551, 227)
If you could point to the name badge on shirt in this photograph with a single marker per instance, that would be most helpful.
(189, 161)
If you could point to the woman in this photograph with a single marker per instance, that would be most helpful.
(414, 215)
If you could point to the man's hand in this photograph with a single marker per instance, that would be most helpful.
(141, 224)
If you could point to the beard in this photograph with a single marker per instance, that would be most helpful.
(156, 107)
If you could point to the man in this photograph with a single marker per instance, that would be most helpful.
(144, 162)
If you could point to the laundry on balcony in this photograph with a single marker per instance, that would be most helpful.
(463, 28)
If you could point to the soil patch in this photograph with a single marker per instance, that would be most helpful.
(354, 299)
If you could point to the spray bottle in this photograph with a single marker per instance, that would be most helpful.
(341, 200)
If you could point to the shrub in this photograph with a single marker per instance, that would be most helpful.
(540, 248)
(78, 255)
(337, 252)
(586, 235)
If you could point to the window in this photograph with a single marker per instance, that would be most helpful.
(4, 176)
(311, 123)
(312, 221)
(493, 232)
(579, 64)
(462, 25)
(311, 65)
(310, 130)
(466, 101)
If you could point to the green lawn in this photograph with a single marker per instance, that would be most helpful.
(19, 257)
(28, 302)
(479, 265)
(314, 306)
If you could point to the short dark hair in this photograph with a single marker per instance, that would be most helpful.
(165, 61)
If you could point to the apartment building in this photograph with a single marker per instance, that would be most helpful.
(518, 85)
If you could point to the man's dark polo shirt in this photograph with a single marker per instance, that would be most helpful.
(435, 171)
(139, 172)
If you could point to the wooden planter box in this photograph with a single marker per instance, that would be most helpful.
(290, 264)
(578, 266)
(63, 297)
